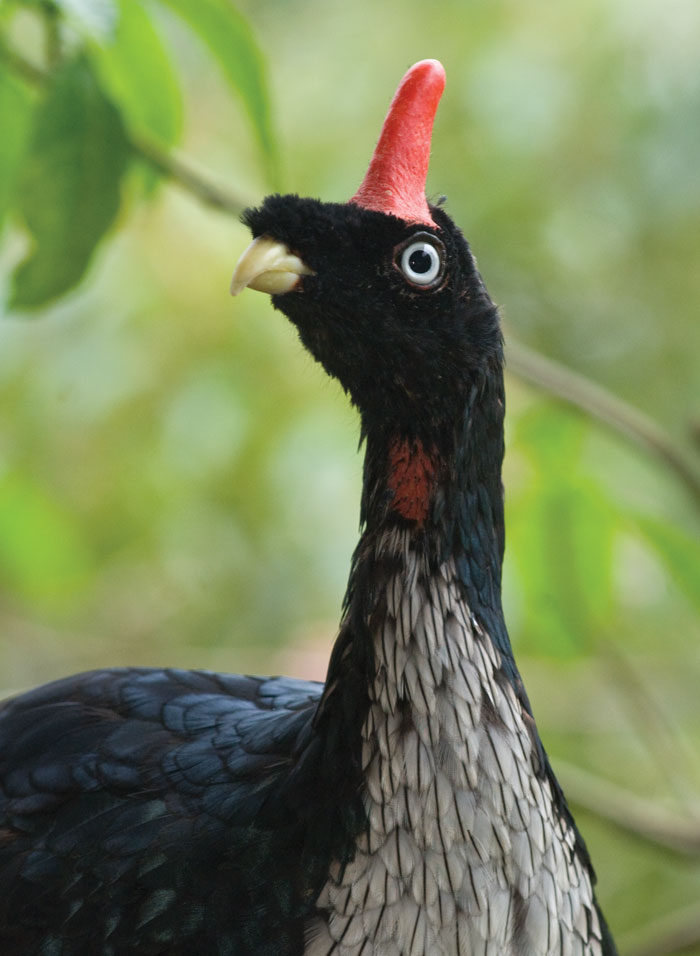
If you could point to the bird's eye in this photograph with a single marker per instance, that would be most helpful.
(421, 260)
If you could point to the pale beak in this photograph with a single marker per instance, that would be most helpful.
(268, 266)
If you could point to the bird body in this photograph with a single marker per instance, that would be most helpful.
(136, 815)
(407, 806)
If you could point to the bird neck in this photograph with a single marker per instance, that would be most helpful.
(441, 485)
(432, 511)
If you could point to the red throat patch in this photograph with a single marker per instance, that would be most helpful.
(412, 478)
(395, 180)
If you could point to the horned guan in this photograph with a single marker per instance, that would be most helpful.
(406, 807)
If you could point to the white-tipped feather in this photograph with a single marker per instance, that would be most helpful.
(459, 822)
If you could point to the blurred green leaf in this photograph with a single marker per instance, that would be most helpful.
(69, 191)
(562, 537)
(561, 533)
(16, 106)
(136, 72)
(230, 38)
(679, 552)
(551, 437)
(43, 557)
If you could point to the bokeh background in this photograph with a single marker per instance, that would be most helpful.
(179, 482)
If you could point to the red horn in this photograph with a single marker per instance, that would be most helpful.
(395, 180)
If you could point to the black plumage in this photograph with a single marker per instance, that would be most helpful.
(405, 807)
(148, 811)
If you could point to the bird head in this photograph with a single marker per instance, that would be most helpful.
(383, 289)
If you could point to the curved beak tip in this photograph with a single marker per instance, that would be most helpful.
(268, 266)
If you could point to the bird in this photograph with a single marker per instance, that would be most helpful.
(406, 806)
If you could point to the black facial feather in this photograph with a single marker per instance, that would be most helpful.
(398, 350)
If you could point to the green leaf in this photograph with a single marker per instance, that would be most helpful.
(16, 105)
(69, 191)
(136, 73)
(230, 38)
(561, 531)
(679, 552)
(551, 436)
(43, 556)
(561, 536)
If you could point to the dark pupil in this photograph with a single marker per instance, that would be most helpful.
(420, 261)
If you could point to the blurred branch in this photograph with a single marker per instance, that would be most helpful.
(654, 725)
(695, 432)
(679, 932)
(181, 172)
(605, 407)
(629, 812)
(165, 163)
(52, 30)
(27, 71)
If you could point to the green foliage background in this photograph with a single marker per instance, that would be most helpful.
(179, 482)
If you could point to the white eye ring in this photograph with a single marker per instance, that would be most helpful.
(421, 262)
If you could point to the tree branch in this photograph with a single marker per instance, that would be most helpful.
(678, 932)
(23, 68)
(629, 812)
(603, 406)
(52, 30)
(675, 758)
(181, 172)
